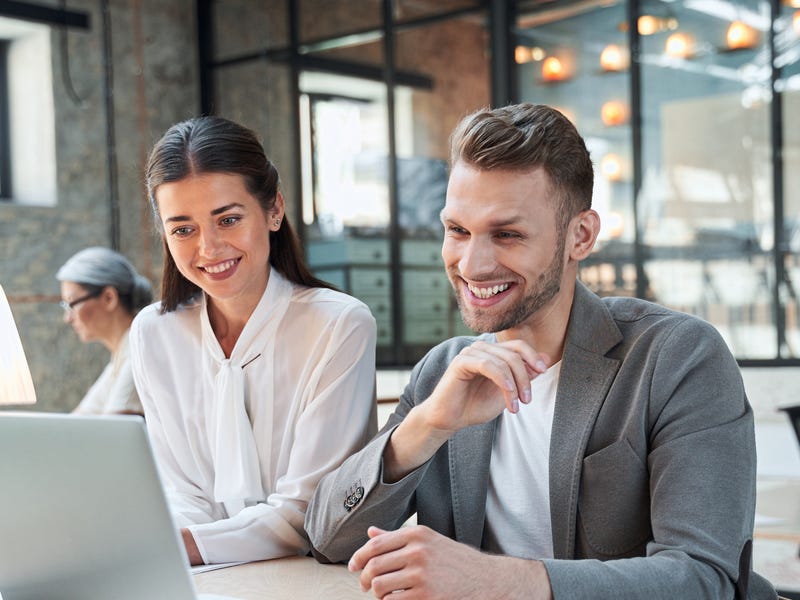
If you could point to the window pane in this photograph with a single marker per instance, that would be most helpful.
(424, 118)
(706, 205)
(344, 146)
(576, 59)
(787, 50)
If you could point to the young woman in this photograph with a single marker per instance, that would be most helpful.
(101, 292)
(256, 378)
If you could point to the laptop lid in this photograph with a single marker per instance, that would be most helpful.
(82, 512)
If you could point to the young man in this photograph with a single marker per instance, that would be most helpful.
(580, 447)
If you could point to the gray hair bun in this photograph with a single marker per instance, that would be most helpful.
(101, 267)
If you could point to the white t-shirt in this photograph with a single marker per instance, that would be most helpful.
(113, 391)
(307, 356)
(518, 496)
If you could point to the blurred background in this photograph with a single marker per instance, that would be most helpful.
(691, 110)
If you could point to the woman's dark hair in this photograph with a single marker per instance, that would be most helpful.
(216, 145)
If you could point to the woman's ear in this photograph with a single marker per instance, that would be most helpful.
(584, 229)
(110, 298)
(277, 212)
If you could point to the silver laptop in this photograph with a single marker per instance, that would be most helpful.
(82, 512)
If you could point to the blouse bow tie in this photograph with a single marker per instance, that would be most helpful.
(239, 476)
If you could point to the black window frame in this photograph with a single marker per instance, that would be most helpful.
(5, 134)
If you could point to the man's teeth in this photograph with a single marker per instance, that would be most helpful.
(220, 267)
(487, 292)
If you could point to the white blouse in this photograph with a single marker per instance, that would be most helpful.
(113, 391)
(304, 368)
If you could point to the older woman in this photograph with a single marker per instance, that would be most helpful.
(256, 378)
(101, 292)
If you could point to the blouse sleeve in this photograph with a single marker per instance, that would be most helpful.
(122, 396)
(337, 419)
(187, 502)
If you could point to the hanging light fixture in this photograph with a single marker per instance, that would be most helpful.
(613, 113)
(614, 58)
(611, 167)
(792, 3)
(522, 55)
(679, 45)
(553, 69)
(648, 25)
(526, 54)
(741, 36)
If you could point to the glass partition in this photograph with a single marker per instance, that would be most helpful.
(424, 118)
(787, 59)
(345, 154)
(576, 59)
(706, 202)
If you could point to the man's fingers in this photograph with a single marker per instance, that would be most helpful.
(380, 542)
(373, 531)
(535, 362)
(382, 573)
(473, 361)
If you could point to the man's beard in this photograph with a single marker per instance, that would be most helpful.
(547, 286)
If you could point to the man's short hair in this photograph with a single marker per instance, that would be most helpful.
(523, 137)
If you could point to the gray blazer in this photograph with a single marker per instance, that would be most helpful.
(652, 463)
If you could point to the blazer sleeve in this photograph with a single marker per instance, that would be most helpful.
(354, 496)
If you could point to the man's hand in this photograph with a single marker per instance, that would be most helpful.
(478, 384)
(481, 381)
(416, 562)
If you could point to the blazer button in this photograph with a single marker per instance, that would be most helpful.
(353, 498)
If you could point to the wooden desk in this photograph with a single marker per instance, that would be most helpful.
(775, 546)
(776, 538)
(293, 578)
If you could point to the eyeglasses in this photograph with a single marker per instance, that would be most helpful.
(70, 306)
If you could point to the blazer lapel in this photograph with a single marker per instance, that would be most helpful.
(586, 375)
(470, 451)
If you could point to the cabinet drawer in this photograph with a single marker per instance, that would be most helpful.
(425, 331)
(383, 324)
(425, 281)
(426, 307)
(380, 305)
(421, 252)
(350, 251)
(370, 281)
(336, 277)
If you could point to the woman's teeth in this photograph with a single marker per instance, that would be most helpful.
(221, 267)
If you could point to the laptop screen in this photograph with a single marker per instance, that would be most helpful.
(82, 512)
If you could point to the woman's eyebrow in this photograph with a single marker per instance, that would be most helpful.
(226, 208)
(214, 212)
